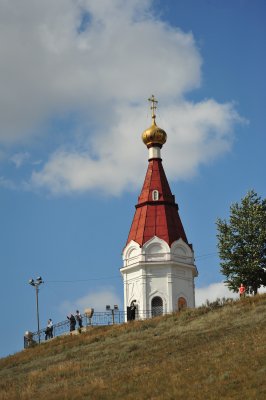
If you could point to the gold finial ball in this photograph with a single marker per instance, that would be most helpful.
(154, 136)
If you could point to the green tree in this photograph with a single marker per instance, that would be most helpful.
(242, 244)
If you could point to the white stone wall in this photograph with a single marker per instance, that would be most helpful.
(157, 270)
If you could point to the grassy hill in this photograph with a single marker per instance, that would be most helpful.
(197, 354)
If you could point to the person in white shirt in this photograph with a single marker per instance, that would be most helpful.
(79, 318)
(49, 329)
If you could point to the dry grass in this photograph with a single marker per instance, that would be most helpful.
(198, 354)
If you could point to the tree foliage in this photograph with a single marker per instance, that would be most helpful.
(242, 244)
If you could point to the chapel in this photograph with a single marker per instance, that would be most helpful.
(158, 261)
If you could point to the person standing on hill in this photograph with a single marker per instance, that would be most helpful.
(242, 290)
(133, 310)
(79, 319)
(49, 329)
(72, 322)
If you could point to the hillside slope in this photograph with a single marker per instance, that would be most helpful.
(196, 354)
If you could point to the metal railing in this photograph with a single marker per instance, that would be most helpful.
(99, 318)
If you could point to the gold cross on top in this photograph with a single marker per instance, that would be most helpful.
(153, 105)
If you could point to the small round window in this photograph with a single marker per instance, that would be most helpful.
(155, 195)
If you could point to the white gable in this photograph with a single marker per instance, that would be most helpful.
(181, 252)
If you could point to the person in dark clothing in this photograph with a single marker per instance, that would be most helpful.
(72, 322)
(133, 310)
(79, 319)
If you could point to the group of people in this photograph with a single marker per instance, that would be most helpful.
(77, 318)
(73, 319)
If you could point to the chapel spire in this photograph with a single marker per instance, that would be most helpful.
(156, 212)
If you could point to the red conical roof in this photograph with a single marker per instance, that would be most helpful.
(156, 217)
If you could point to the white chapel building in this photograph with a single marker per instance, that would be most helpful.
(158, 261)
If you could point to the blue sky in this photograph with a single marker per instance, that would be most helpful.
(75, 77)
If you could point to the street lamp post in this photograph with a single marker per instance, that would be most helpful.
(36, 283)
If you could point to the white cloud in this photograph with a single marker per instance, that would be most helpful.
(117, 160)
(212, 292)
(49, 67)
(97, 300)
(20, 158)
(198, 133)
(217, 290)
(100, 61)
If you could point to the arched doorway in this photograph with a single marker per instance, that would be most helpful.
(156, 306)
(181, 304)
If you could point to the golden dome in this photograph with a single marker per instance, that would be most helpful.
(154, 136)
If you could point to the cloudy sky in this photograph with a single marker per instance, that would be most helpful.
(75, 76)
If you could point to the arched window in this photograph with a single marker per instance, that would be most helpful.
(155, 195)
(156, 306)
(181, 304)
